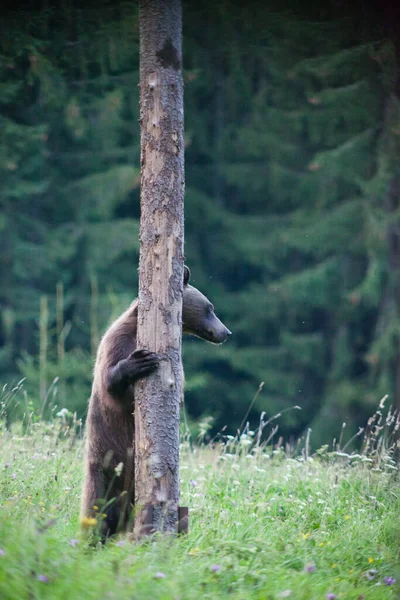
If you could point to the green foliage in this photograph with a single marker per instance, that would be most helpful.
(66, 384)
(291, 147)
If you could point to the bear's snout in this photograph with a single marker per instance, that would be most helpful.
(219, 334)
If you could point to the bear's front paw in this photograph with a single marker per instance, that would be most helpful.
(142, 363)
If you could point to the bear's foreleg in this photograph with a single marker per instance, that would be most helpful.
(128, 370)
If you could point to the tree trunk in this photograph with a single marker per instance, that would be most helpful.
(391, 12)
(157, 398)
(393, 241)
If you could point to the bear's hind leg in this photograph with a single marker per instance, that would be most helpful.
(110, 524)
(93, 492)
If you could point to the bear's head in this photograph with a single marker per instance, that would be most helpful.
(198, 316)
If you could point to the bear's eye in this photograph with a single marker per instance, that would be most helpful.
(210, 309)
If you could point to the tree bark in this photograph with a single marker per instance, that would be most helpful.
(391, 12)
(157, 398)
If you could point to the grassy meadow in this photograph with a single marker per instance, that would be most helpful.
(265, 523)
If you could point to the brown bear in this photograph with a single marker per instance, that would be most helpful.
(109, 463)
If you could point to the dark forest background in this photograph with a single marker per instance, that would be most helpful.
(292, 204)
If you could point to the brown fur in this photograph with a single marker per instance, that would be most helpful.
(110, 428)
(110, 422)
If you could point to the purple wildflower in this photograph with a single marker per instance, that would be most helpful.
(310, 568)
(42, 578)
(73, 543)
(121, 543)
(215, 568)
(159, 575)
(331, 596)
(389, 580)
(193, 482)
(2, 552)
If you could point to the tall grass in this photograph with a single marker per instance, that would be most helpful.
(267, 521)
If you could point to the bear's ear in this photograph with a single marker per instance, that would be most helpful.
(186, 275)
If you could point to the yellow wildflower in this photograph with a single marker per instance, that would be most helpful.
(87, 522)
(334, 566)
(347, 517)
(95, 507)
(306, 535)
(370, 560)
